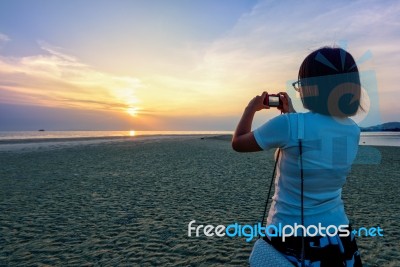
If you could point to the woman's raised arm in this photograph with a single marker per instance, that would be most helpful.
(243, 139)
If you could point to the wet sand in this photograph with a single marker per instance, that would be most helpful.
(128, 202)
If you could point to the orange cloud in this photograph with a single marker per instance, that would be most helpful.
(56, 79)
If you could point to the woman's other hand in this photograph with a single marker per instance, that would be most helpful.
(287, 106)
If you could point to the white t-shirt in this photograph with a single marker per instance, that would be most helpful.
(329, 148)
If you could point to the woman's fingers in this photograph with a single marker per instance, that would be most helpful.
(284, 96)
(258, 102)
(264, 97)
(285, 102)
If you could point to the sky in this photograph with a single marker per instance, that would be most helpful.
(181, 65)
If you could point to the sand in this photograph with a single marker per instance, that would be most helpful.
(128, 202)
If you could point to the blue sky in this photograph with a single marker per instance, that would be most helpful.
(179, 65)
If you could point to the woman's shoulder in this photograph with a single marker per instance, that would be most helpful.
(314, 122)
(280, 119)
(325, 121)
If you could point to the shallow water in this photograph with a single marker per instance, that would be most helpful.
(380, 138)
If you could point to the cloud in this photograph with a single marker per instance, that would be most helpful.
(55, 78)
(275, 31)
(262, 51)
(3, 39)
(267, 45)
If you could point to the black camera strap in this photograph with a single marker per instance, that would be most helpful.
(270, 187)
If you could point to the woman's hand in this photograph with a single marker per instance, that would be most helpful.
(257, 103)
(287, 106)
(243, 139)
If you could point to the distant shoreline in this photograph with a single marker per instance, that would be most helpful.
(393, 126)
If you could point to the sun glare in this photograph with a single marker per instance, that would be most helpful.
(132, 111)
(132, 133)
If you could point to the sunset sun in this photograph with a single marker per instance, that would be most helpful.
(133, 111)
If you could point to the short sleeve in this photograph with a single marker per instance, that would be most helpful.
(274, 133)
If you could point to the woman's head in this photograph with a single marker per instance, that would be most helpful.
(330, 82)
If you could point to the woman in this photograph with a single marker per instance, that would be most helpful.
(329, 87)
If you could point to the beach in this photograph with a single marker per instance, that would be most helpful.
(128, 201)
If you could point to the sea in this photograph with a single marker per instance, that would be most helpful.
(367, 138)
(29, 135)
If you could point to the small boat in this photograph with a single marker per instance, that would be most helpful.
(41, 130)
